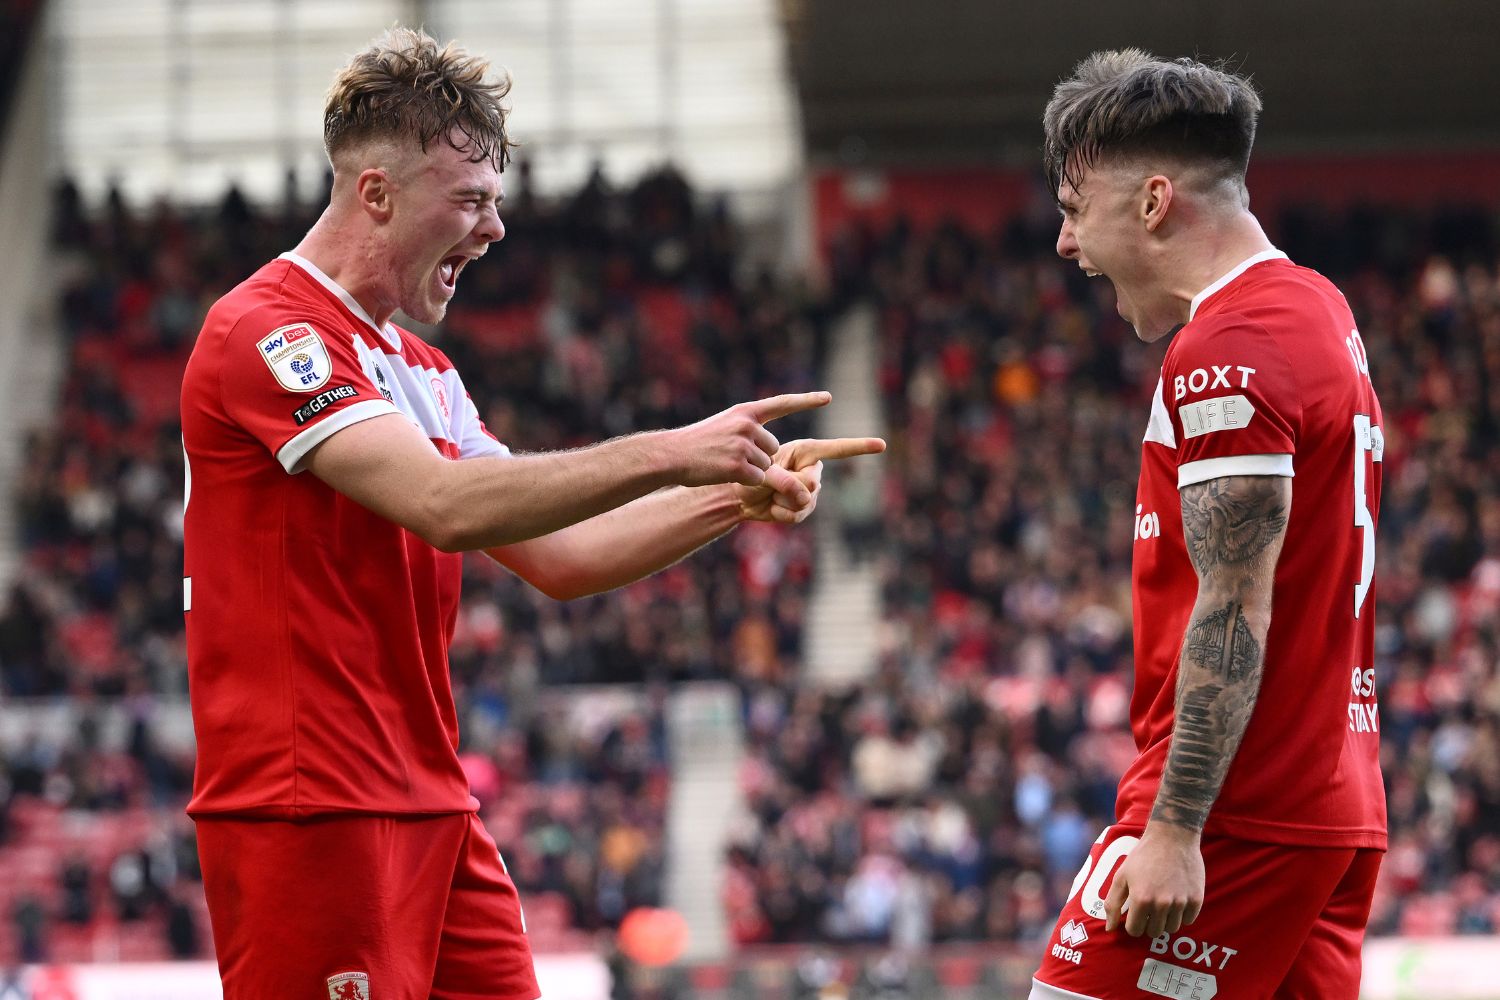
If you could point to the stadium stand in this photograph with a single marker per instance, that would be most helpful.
(949, 800)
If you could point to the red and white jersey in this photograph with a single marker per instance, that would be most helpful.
(1269, 377)
(317, 631)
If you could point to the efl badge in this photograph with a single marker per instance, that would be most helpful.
(440, 393)
(297, 357)
(349, 986)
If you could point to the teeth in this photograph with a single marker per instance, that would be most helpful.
(446, 272)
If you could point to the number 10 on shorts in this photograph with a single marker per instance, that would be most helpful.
(1091, 877)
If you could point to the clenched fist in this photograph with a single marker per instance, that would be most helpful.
(789, 493)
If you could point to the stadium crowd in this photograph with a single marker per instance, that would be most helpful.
(618, 310)
(955, 798)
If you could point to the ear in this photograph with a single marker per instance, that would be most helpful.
(374, 190)
(1157, 200)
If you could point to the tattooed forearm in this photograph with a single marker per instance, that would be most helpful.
(1215, 696)
(1232, 520)
(1234, 528)
(1221, 643)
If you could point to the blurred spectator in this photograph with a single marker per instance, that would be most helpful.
(77, 891)
(182, 929)
(30, 920)
(129, 885)
(856, 488)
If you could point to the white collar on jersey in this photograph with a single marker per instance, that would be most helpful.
(389, 332)
(1234, 272)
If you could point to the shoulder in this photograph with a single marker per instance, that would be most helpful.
(254, 329)
(1291, 302)
(1230, 356)
(1304, 284)
(261, 303)
(1231, 339)
(422, 354)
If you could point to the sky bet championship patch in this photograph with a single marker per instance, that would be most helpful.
(297, 357)
(321, 402)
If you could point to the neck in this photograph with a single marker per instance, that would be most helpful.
(1215, 250)
(347, 255)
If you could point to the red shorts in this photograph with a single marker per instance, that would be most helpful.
(349, 906)
(1277, 922)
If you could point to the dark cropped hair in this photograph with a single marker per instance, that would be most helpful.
(1127, 101)
(406, 88)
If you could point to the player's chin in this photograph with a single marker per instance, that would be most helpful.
(429, 305)
(427, 311)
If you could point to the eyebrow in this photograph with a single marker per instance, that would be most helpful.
(484, 193)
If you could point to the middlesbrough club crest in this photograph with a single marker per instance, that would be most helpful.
(349, 986)
(440, 393)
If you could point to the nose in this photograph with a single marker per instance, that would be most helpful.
(490, 228)
(1067, 243)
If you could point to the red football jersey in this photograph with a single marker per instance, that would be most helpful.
(1269, 377)
(317, 631)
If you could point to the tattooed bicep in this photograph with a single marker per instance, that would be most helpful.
(1227, 522)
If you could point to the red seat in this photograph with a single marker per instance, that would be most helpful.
(71, 943)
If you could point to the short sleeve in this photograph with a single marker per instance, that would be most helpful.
(292, 384)
(459, 414)
(474, 438)
(1234, 402)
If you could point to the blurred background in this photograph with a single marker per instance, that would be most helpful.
(863, 758)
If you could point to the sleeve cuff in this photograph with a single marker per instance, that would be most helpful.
(1192, 473)
(486, 447)
(294, 451)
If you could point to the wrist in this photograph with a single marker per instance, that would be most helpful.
(725, 506)
(731, 497)
(661, 457)
(1165, 829)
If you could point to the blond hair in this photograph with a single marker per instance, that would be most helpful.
(404, 88)
(1128, 102)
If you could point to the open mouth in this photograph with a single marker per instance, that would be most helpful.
(449, 268)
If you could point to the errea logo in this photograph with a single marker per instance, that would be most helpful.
(1073, 934)
(1070, 935)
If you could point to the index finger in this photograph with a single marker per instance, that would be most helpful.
(1114, 903)
(819, 449)
(773, 407)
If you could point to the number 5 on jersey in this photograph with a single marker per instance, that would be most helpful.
(1368, 440)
